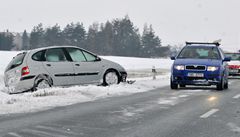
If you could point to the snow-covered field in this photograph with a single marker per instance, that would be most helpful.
(53, 97)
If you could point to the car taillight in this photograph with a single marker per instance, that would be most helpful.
(234, 66)
(25, 71)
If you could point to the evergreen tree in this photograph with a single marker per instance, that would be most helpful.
(106, 40)
(100, 39)
(37, 37)
(150, 43)
(126, 38)
(6, 41)
(53, 36)
(75, 34)
(79, 35)
(68, 34)
(25, 41)
(91, 41)
(119, 37)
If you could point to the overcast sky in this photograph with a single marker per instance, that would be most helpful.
(174, 21)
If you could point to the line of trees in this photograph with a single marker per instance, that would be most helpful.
(119, 37)
(6, 41)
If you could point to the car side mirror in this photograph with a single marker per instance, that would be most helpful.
(173, 57)
(98, 59)
(227, 59)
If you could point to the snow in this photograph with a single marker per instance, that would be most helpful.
(62, 96)
(131, 63)
(233, 127)
(5, 58)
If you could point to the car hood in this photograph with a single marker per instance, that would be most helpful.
(112, 64)
(211, 62)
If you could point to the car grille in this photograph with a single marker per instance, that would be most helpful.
(194, 78)
(195, 67)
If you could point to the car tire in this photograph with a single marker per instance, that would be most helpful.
(42, 82)
(173, 85)
(226, 85)
(111, 77)
(220, 85)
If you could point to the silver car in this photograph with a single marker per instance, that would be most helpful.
(60, 66)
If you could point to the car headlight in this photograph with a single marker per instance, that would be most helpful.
(179, 67)
(212, 68)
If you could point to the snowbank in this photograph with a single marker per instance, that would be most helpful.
(131, 63)
(53, 97)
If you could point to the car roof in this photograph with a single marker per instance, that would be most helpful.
(232, 52)
(203, 44)
(50, 47)
(200, 45)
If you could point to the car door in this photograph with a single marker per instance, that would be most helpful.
(59, 68)
(87, 67)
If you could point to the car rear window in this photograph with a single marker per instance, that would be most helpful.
(16, 61)
(234, 56)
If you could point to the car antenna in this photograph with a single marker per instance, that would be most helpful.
(217, 42)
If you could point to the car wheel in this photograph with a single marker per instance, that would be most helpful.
(220, 85)
(173, 85)
(42, 82)
(110, 78)
(226, 85)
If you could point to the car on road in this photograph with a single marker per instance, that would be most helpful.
(200, 64)
(234, 64)
(60, 66)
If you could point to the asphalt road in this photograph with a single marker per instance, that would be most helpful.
(187, 112)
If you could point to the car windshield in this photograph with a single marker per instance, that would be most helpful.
(16, 61)
(199, 52)
(234, 56)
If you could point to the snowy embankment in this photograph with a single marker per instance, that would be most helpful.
(53, 97)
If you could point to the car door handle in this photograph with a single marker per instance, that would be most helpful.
(49, 65)
(77, 64)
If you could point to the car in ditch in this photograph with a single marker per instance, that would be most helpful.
(60, 66)
(200, 64)
(234, 64)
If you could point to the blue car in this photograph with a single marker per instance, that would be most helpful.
(200, 64)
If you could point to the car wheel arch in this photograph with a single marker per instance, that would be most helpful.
(43, 76)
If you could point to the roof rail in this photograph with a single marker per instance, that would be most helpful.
(213, 43)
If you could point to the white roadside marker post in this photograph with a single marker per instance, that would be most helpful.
(154, 72)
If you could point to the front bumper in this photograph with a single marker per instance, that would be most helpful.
(200, 82)
(207, 79)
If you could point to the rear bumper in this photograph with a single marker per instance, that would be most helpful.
(234, 72)
(20, 85)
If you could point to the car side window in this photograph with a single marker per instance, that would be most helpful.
(89, 56)
(55, 55)
(38, 56)
(76, 55)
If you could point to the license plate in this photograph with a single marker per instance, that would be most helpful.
(195, 75)
(233, 70)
